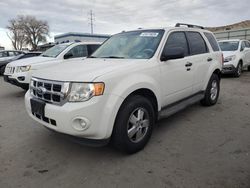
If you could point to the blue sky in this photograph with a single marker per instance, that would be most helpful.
(112, 16)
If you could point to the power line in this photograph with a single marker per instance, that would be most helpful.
(91, 21)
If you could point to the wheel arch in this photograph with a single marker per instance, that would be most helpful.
(148, 94)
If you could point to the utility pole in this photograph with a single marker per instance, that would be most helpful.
(91, 19)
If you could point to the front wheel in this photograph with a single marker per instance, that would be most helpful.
(134, 124)
(2, 70)
(238, 70)
(212, 91)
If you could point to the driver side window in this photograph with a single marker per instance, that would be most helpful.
(177, 39)
(79, 51)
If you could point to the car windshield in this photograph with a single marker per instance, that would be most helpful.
(130, 45)
(55, 50)
(229, 45)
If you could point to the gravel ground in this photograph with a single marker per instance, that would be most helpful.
(198, 147)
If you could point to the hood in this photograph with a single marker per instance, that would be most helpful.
(31, 61)
(228, 53)
(84, 70)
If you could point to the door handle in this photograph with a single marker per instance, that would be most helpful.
(209, 59)
(188, 64)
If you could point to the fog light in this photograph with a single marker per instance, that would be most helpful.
(80, 124)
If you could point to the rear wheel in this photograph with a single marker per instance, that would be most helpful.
(238, 70)
(212, 91)
(133, 125)
(248, 68)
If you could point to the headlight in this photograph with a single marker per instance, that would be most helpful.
(230, 58)
(84, 91)
(23, 68)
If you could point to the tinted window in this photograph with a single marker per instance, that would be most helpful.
(212, 41)
(18, 53)
(177, 39)
(242, 47)
(11, 54)
(92, 48)
(248, 44)
(196, 43)
(3, 54)
(79, 51)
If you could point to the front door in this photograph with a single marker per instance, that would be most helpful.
(176, 75)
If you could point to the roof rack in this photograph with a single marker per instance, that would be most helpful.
(189, 25)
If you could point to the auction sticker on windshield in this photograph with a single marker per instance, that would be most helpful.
(149, 34)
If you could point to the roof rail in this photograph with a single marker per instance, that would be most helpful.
(189, 25)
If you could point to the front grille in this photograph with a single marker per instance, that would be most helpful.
(54, 92)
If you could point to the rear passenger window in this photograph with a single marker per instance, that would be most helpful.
(212, 41)
(177, 39)
(196, 43)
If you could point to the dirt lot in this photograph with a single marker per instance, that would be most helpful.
(198, 147)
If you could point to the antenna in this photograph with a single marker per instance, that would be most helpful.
(91, 21)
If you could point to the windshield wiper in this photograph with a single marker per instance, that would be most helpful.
(45, 56)
(114, 57)
(92, 56)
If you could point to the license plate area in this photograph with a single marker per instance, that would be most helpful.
(37, 106)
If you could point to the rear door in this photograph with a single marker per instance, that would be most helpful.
(201, 59)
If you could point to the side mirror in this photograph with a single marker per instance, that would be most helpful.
(172, 53)
(68, 56)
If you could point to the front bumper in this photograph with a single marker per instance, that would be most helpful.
(228, 69)
(98, 112)
(15, 82)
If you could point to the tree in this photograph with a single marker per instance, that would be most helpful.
(16, 34)
(35, 30)
(27, 30)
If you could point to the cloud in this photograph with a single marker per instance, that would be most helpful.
(113, 16)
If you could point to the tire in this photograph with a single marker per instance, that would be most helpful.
(129, 120)
(248, 68)
(212, 92)
(2, 70)
(238, 70)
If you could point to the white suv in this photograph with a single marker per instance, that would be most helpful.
(19, 72)
(132, 80)
(236, 56)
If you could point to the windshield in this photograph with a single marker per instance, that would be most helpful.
(229, 45)
(55, 50)
(130, 45)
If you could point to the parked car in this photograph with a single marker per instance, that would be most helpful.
(236, 56)
(22, 56)
(6, 55)
(19, 72)
(131, 81)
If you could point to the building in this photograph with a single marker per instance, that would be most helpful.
(233, 34)
(2, 48)
(80, 37)
(239, 30)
